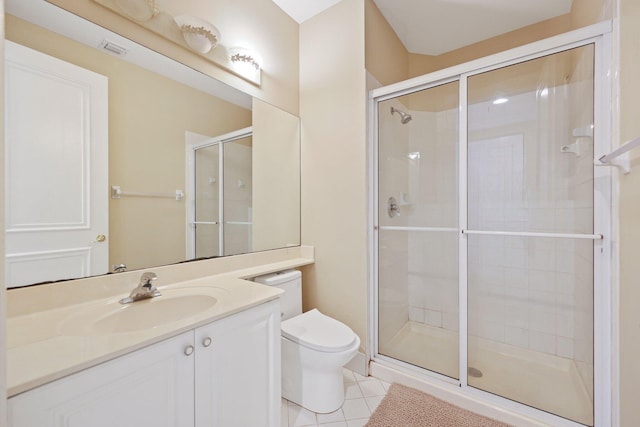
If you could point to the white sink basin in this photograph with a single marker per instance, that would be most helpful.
(112, 317)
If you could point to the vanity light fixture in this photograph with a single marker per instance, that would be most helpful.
(244, 60)
(199, 34)
(139, 10)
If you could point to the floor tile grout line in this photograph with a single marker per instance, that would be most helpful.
(358, 379)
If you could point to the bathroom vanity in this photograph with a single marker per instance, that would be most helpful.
(218, 374)
(93, 364)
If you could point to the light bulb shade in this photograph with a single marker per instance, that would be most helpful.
(244, 60)
(140, 10)
(199, 34)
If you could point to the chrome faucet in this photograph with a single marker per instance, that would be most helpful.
(144, 290)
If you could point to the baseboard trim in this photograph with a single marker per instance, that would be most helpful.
(358, 364)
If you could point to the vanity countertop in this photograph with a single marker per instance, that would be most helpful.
(42, 347)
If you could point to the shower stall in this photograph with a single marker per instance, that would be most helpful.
(219, 194)
(491, 229)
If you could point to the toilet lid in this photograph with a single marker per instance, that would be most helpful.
(319, 332)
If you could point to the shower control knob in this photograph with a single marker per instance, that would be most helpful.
(188, 350)
(392, 207)
(206, 342)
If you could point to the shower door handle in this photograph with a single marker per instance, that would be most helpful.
(392, 207)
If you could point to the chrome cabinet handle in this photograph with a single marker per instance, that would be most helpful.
(188, 350)
(206, 342)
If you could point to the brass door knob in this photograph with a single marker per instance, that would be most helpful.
(101, 238)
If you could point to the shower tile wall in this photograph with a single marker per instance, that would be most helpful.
(207, 200)
(583, 314)
(238, 200)
(525, 291)
(432, 202)
(392, 245)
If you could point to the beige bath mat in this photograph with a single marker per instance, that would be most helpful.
(407, 407)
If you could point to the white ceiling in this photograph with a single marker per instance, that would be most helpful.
(433, 27)
(301, 10)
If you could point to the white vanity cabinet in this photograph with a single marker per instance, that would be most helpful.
(237, 382)
(223, 374)
(149, 387)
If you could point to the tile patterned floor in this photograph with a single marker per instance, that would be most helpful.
(362, 396)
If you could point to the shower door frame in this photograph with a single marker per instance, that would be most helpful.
(190, 179)
(600, 36)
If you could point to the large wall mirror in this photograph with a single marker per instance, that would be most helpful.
(133, 161)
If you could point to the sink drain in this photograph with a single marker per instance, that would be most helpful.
(474, 372)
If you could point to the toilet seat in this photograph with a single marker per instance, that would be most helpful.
(319, 332)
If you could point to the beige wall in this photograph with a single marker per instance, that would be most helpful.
(146, 144)
(629, 316)
(385, 55)
(423, 64)
(276, 172)
(334, 169)
(583, 13)
(388, 60)
(277, 40)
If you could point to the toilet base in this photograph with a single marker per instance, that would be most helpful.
(321, 392)
(314, 379)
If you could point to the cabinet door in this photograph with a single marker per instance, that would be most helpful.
(152, 387)
(238, 369)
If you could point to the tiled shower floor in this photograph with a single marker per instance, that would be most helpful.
(362, 396)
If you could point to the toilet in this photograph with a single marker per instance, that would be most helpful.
(315, 347)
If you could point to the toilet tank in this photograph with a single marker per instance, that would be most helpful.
(290, 281)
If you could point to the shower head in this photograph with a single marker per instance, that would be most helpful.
(404, 117)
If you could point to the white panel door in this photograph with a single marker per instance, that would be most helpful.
(56, 200)
(152, 387)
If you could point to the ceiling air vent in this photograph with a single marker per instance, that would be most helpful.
(113, 48)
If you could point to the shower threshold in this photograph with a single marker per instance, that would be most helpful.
(544, 381)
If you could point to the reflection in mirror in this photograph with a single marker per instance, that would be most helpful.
(194, 26)
(152, 110)
(222, 195)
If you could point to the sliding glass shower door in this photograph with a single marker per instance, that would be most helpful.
(418, 228)
(207, 235)
(530, 232)
(485, 231)
(222, 170)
